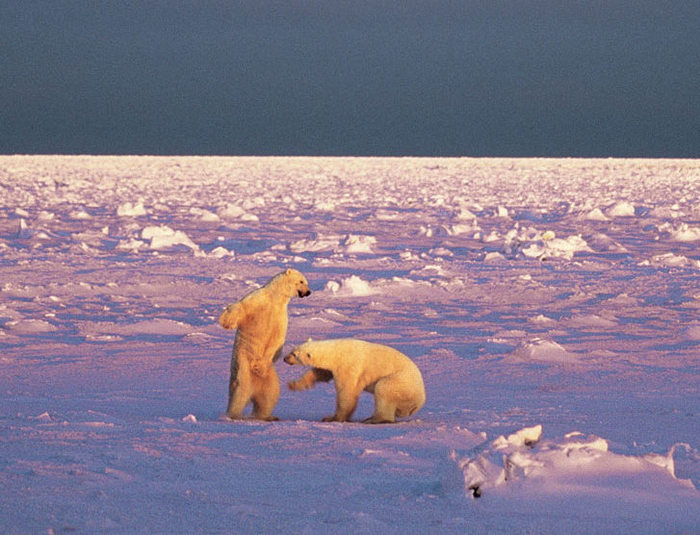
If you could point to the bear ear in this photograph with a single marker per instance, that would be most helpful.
(309, 340)
(289, 271)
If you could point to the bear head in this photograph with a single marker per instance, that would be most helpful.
(300, 356)
(297, 283)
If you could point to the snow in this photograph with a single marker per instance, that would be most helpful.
(552, 306)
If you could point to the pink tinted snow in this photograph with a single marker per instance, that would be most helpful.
(551, 305)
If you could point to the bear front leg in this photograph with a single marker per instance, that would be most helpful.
(231, 316)
(345, 404)
(310, 378)
(259, 367)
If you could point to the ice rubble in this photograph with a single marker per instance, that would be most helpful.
(572, 464)
(348, 244)
(533, 243)
(405, 265)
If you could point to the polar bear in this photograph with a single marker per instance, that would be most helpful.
(356, 365)
(261, 320)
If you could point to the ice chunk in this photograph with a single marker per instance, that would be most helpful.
(230, 211)
(621, 209)
(528, 436)
(220, 252)
(325, 206)
(128, 209)
(684, 233)
(131, 244)
(322, 243)
(465, 215)
(494, 257)
(670, 260)
(205, 215)
(163, 237)
(353, 286)
(79, 214)
(23, 231)
(359, 244)
(542, 350)
(596, 215)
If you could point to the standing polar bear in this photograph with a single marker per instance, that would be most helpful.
(261, 320)
(355, 365)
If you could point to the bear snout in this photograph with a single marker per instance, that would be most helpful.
(303, 293)
(289, 360)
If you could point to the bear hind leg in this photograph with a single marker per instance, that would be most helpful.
(239, 396)
(265, 395)
(384, 411)
(240, 387)
(385, 406)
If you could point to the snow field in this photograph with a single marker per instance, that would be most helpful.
(551, 305)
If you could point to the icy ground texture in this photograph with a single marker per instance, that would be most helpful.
(553, 306)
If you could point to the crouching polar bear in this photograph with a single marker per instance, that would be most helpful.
(355, 365)
(261, 320)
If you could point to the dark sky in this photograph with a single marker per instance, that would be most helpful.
(388, 77)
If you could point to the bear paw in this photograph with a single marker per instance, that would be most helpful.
(297, 385)
(258, 368)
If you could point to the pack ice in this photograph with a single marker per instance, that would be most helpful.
(551, 305)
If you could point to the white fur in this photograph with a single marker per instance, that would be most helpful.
(261, 320)
(356, 365)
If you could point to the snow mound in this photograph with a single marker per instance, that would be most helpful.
(671, 260)
(30, 326)
(161, 327)
(693, 332)
(353, 286)
(494, 257)
(592, 321)
(163, 237)
(541, 350)
(574, 464)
